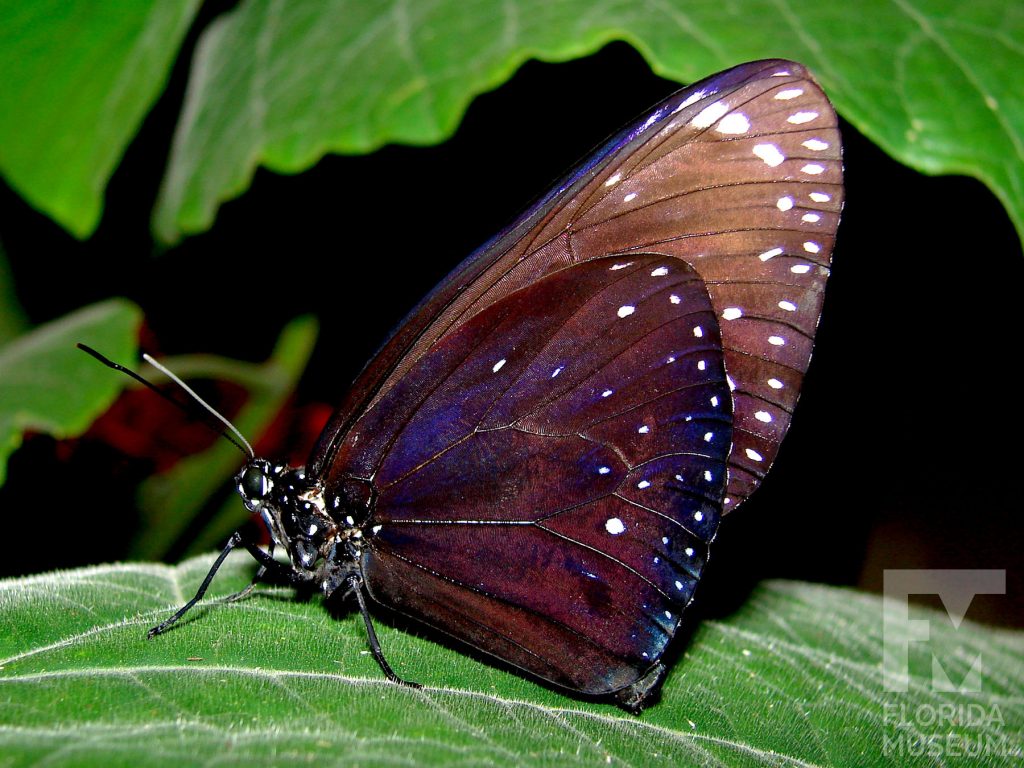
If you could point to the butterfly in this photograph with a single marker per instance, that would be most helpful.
(538, 458)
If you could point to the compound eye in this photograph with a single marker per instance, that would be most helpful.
(254, 485)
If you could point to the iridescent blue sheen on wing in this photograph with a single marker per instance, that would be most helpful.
(563, 456)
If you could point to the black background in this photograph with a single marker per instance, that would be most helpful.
(903, 450)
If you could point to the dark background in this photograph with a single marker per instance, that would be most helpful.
(897, 454)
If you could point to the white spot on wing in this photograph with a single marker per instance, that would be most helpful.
(784, 203)
(754, 455)
(626, 310)
(614, 526)
(789, 93)
(557, 371)
(660, 272)
(775, 384)
(701, 365)
(631, 196)
(734, 123)
(606, 393)
(613, 180)
(800, 269)
(732, 313)
(816, 145)
(644, 429)
(693, 98)
(643, 484)
(811, 218)
(813, 169)
(789, 306)
(615, 267)
(674, 299)
(498, 365)
(770, 153)
(698, 331)
(820, 197)
(709, 115)
(603, 470)
(770, 254)
(776, 341)
(812, 247)
(799, 118)
(763, 416)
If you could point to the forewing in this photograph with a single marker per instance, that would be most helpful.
(740, 178)
(550, 473)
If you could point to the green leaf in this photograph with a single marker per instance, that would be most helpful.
(47, 385)
(79, 77)
(934, 82)
(171, 501)
(792, 679)
(12, 320)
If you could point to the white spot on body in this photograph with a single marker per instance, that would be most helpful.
(376, 529)
(313, 529)
(776, 341)
(763, 416)
(753, 455)
(789, 306)
(614, 526)
(770, 254)
(735, 123)
(799, 118)
(626, 310)
(815, 145)
(732, 313)
(660, 272)
(709, 115)
(784, 203)
(813, 169)
(498, 365)
(770, 153)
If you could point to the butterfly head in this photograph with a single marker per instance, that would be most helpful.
(293, 510)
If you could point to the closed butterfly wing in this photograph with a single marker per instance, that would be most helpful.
(545, 446)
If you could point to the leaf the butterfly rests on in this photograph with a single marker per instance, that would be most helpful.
(538, 458)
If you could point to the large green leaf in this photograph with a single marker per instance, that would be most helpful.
(792, 679)
(934, 82)
(78, 78)
(47, 385)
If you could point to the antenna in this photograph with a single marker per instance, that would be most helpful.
(196, 398)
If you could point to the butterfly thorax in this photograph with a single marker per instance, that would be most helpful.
(323, 548)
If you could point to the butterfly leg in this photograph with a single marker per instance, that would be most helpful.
(256, 579)
(268, 565)
(355, 583)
